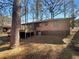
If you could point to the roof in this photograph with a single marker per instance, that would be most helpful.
(48, 20)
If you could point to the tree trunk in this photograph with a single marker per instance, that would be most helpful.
(14, 40)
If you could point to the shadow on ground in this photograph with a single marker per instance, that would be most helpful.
(70, 51)
(51, 53)
(55, 39)
(3, 41)
(4, 49)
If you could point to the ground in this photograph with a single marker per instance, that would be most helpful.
(42, 47)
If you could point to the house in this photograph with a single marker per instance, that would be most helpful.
(48, 27)
(5, 23)
(59, 26)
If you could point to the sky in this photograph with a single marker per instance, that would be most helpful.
(77, 3)
(59, 16)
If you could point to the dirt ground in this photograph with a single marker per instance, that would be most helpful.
(42, 47)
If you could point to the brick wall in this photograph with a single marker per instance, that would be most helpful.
(54, 27)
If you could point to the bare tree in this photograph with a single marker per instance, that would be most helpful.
(38, 9)
(15, 24)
